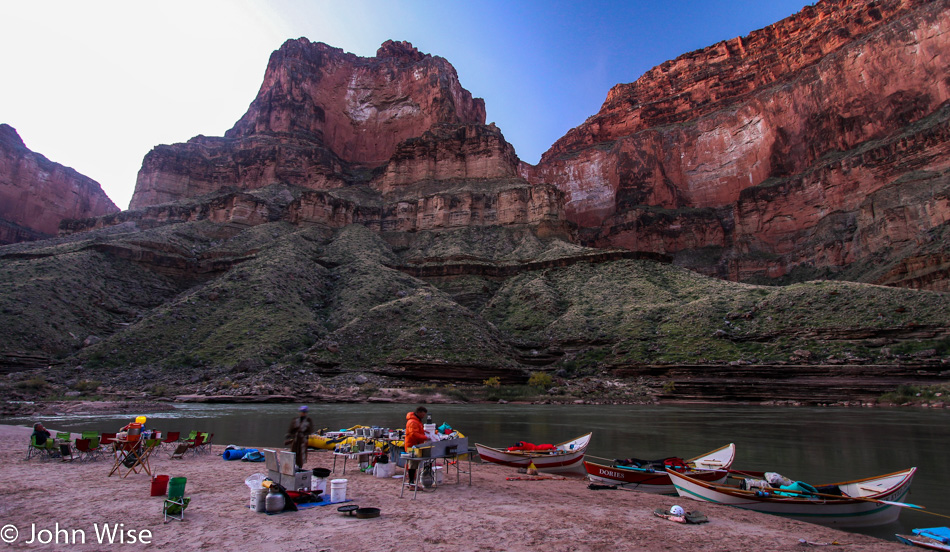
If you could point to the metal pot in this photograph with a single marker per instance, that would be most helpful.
(366, 513)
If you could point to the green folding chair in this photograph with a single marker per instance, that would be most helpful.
(44, 451)
(174, 506)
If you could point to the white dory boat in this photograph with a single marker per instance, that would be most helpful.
(862, 503)
(711, 467)
(563, 456)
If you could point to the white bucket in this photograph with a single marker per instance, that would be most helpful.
(337, 490)
(259, 499)
(439, 475)
(384, 470)
(319, 484)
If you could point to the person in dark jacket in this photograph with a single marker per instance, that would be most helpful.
(298, 435)
(41, 434)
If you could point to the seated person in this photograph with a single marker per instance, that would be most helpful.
(41, 434)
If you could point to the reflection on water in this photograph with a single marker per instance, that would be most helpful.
(816, 445)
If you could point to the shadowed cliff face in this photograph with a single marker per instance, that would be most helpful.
(36, 193)
(780, 151)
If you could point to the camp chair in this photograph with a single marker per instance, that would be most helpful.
(180, 450)
(89, 434)
(107, 439)
(172, 437)
(64, 435)
(95, 448)
(195, 445)
(44, 451)
(205, 445)
(66, 452)
(174, 506)
(84, 450)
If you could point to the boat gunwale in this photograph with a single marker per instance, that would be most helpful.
(750, 495)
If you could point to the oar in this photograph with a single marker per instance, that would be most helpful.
(772, 492)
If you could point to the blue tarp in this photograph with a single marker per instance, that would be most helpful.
(941, 534)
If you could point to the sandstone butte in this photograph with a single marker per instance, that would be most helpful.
(815, 147)
(392, 142)
(36, 193)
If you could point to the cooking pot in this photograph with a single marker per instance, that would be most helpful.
(366, 513)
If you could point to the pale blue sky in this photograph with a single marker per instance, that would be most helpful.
(95, 85)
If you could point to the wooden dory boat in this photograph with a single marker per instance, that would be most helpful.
(712, 467)
(564, 456)
(864, 502)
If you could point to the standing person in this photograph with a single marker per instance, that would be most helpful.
(298, 434)
(415, 435)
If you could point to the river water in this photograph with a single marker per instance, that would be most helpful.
(816, 445)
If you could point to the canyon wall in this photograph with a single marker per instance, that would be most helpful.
(392, 142)
(36, 193)
(322, 118)
(815, 143)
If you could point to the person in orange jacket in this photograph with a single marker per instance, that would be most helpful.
(415, 435)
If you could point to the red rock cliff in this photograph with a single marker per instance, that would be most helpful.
(818, 142)
(36, 193)
(392, 142)
(321, 117)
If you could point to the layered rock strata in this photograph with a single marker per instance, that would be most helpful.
(391, 142)
(815, 143)
(321, 119)
(36, 194)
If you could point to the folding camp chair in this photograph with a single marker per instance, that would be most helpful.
(180, 450)
(195, 444)
(84, 450)
(174, 506)
(64, 436)
(44, 451)
(205, 445)
(96, 448)
(66, 452)
(171, 438)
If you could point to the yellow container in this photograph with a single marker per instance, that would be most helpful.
(422, 452)
(139, 419)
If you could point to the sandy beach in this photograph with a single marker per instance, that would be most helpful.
(494, 513)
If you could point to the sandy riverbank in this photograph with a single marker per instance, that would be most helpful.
(493, 514)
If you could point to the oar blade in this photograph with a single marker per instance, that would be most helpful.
(902, 504)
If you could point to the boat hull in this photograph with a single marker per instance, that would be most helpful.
(866, 511)
(568, 456)
(712, 467)
(657, 482)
